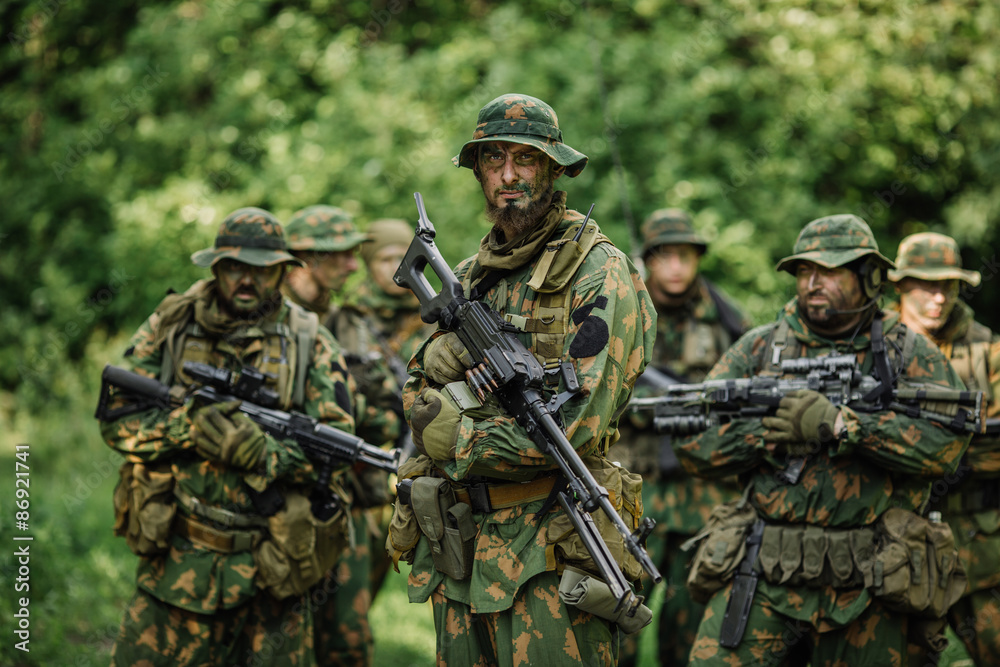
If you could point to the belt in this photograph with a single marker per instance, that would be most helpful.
(487, 497)
(221, 541)
(217, 515)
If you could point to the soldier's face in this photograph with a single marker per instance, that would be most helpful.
(672, 268)
(243, 288)
(517, 183)
(330, 270)
(927, 304)
(382, 268)
(821, 290)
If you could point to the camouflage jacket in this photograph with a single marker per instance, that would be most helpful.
(689, 340)
(189, 576)
(609, 341)
(885, 460)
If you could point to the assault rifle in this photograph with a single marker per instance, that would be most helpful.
(685, 409)
(515, 377)
(326, 447)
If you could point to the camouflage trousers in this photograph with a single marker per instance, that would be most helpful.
(877, 638)
(343, 633)
(976, 620)
(537, 630)
(264, 631)
(380, 559)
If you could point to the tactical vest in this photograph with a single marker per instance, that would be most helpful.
(970, 359)
(550, 279)
(283, 353)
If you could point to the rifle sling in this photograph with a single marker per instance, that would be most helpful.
(880, 356)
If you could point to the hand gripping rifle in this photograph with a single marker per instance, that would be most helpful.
(326, 447)
(515, 377)
(684, 409)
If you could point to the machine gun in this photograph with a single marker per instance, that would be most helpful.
(326, 447)
(685, 409)
(515, 377)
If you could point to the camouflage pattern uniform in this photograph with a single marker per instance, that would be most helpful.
(343, 631)
(196, 605)
(508, 610)
(880, 460)
(690, 338)
(970, 500)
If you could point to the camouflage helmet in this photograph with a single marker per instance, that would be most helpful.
(521, 119)
(386, 232)
(834, 241)
(248, 235)
(930, 256)
(323, 229)
(670, 226)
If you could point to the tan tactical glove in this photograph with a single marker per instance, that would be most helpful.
(804, 418)
(446, 359)
(435, 421)
(222, 433)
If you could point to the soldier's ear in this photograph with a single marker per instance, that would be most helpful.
(557, 170)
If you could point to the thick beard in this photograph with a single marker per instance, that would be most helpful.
(833, 324)
(267, 307)
(513, 220)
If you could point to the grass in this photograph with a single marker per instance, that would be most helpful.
(81, 575)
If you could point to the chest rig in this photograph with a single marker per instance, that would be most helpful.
(970, 359)
(547, 321)
(280, 350)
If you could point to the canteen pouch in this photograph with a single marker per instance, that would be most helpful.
(447, 524)
(721, 548)
(593, 596)
(404, 531)
(144, 507)
(625, 493)
(916, 568)
(300, 549)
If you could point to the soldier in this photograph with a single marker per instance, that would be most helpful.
(862, 472)
(217, 581)
(584, 304)
(381, 321)
(695, 324)
(928, 275)
(326, 240)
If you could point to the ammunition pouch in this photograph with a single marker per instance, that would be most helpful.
(814, 556)
(593, 596)
(144, 507)
(722, 545)
(916, 569)
(300, 548)
(447, 524)
(625, 493)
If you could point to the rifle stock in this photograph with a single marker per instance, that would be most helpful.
(518, 379)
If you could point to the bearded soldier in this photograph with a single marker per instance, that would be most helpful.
(576, 300)
(928, 276)
(826, 485)
(220, 577)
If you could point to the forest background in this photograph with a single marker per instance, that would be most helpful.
(129, 130)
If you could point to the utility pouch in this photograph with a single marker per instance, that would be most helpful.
(447, 524)
(404, 531)
(721, 548)
(145, 507)
(301, 549)
(916, 568)
(592, 595)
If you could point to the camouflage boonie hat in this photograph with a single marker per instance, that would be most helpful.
(521, 119)
(249, 235)
(323, 229)
(930, 256)
(670, 226)
(834, 241)
(387, 232)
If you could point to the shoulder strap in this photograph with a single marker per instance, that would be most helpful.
(880, 357)
(304, 325)
(729, 317)
(777, 341)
